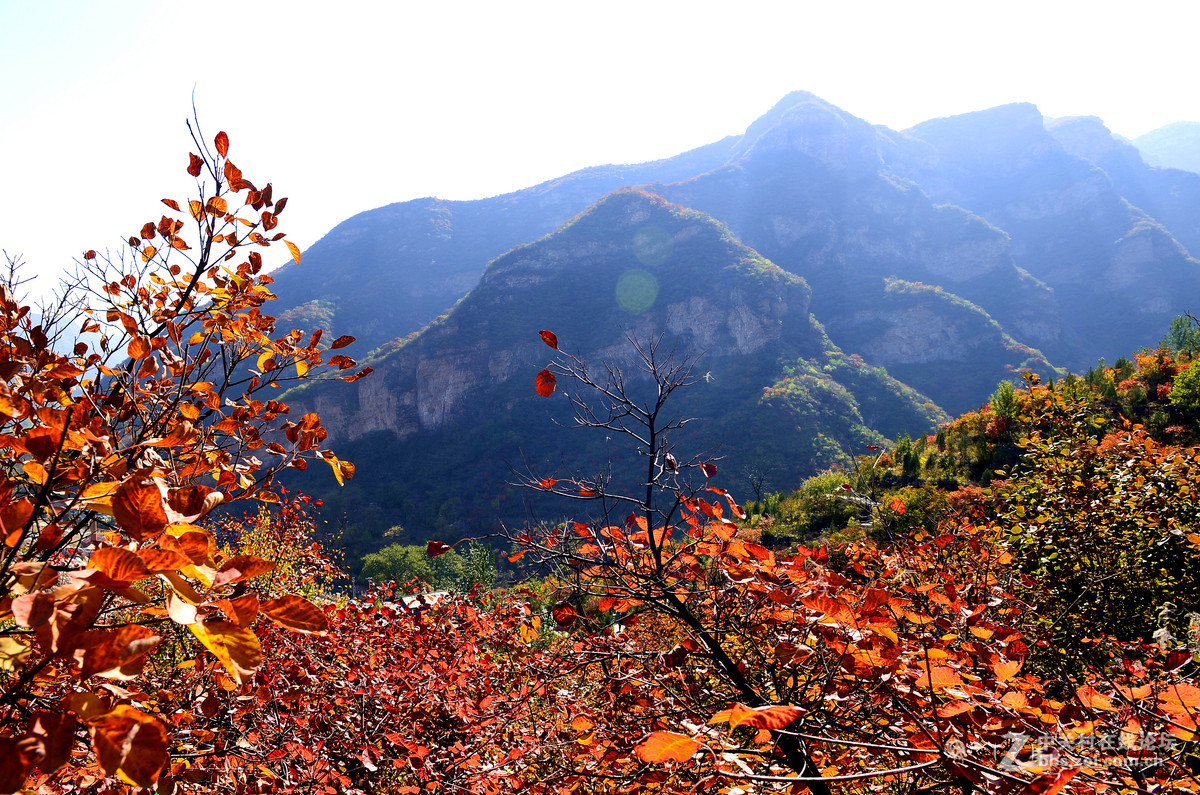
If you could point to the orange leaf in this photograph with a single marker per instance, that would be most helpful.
(1183, 694)
(898, 506)
(138, 508)
(834, 609)
(666, 747)
(217, 206)
(194, 165)
(174, 205)
(119, 564)
(130, 742)
(771, 718)
(341, 342)
(139, 348)
(222, 142)
(550, 338)
(292, 247)
(56, 730)
(121, 653)
(941, 677)
(1093, 698)
(790, 653)
(954, 708)
(1006, 670)
(295, 612)
(545, 383)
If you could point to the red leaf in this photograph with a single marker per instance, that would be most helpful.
(513, 558)
(545, 383)
(342, 342)
(898, 506)
(709, 470)
(550, 338)
(194, 166)
(564, 615)
(222, 142)
(241, 567)
(435, 548)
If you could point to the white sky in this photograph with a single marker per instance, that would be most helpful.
(351, 105)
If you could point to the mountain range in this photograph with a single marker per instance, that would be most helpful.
(839, 282)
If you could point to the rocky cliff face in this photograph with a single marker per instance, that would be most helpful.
(467, 360)
(1168, 195)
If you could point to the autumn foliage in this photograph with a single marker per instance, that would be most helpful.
(917, 666)
(113, 449)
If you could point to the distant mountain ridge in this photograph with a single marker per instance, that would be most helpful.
(1173, 146)
(953, 254)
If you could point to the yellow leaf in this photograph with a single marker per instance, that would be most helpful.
(292, 247)
(236, 648)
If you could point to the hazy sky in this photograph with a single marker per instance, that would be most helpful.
(348, 106)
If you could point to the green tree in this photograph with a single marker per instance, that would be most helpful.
(478, 568)
(403, 564)
(1004, 400)
(1185, 390)
(1184, 335)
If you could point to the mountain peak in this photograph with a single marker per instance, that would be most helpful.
(803, 123)
(1087, 137)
